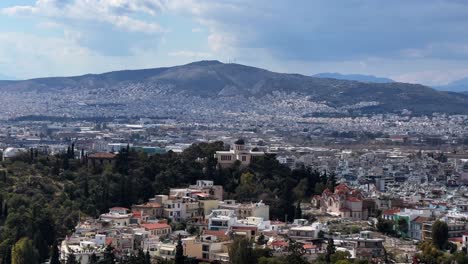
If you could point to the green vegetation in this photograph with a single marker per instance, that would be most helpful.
(43, 197)
(440, 234)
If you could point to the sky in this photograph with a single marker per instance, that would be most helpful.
(418, 41)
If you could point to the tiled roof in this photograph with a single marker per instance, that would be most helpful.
(155, 226)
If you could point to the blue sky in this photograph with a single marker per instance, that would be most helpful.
(423, 41)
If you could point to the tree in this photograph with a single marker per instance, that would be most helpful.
(41, 246)
(7, 256)
(240, 252)
(109, 257)
(402, 226)
(261, 240)
(331, 182)
(92, 259)
(54, 255)
(296, 253)
(330, 250)
(147, 258)
(298, 211)
(439, 234)
(179, 255)
(385, 226)
(71, 259)
(23, 252)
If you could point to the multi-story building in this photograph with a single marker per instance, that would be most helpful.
(343, 202)
(221, 219)
(117, 216)
(150, 209)
(237, 153)
(244, 210)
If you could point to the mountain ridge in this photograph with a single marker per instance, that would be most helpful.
(214, 79)
(353, 77)
(460, 85)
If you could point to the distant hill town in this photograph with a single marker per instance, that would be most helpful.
(223, 86)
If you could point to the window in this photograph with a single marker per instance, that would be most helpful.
(244, 158)
(205, 248)
(226, 157)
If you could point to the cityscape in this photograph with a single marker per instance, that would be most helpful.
(181, 157)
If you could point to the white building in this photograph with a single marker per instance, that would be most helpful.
(238, 153)
(221, 219)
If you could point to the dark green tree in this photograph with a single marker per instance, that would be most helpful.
(261, 240)
(241, 252)
(330, 250)
(23, 252)
(71, 259)
(296, 253)
(439, 234)
(298, 211)
(147, 258)
(109, 257)
(179, 255)
(93, 259)
(54, 254)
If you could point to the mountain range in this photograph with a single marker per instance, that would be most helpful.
(455, 86)
(215, 80)
(353, 77)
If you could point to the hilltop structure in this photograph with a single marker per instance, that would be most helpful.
(238, 153)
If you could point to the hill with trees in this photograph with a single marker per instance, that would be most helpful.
(43, 197)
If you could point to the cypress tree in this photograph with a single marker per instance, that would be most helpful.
(179, 255)
(72, 259)
(92, 259)
(7, 257)
(54, 255)
(330, 250)
(147, 258)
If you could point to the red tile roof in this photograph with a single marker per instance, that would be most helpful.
(391, 211)
(353, 199)
(155, 226)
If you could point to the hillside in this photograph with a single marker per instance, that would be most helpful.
(215, 81)
(353, 77)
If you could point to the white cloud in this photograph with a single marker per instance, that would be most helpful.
(114, 12)
(189, 54)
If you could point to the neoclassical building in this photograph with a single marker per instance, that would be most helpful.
(237, 153)
(343, 202)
